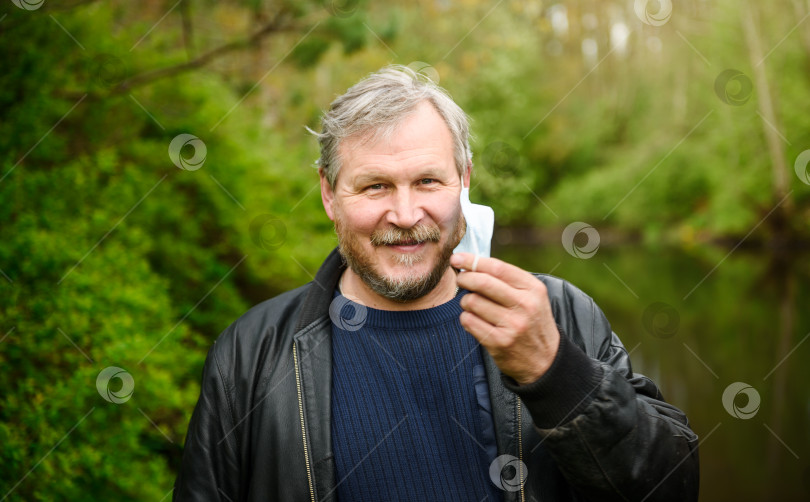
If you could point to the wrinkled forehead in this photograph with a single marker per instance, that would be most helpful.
(421, 132)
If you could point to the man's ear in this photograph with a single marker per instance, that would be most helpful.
(466, 179)
(327, 195)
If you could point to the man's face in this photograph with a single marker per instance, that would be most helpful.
(396, 206)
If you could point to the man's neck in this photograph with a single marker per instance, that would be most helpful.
(353, 288)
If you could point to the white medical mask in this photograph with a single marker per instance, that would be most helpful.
(480, 224)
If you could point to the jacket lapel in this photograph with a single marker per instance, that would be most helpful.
(504, 415)
(313, 339)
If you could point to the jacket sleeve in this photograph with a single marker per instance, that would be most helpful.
(210, 469)
(609, 430)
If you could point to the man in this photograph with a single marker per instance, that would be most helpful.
(407, 372)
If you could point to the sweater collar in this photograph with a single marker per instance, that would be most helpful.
(396, 319)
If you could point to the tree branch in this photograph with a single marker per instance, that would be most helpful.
(49, 7)
(188, 29)
(277, 25)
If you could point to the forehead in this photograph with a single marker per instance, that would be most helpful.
(422, 137)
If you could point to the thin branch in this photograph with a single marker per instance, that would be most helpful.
(188, 28)
(50, 7)
(277, 25)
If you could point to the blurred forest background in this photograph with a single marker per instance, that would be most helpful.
(678, 136)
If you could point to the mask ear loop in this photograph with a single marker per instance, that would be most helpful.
(475, 262)
(474, 241)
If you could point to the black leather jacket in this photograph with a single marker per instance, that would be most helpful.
(589, 429)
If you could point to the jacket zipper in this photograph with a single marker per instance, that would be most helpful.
(303, 429)
(520, 451)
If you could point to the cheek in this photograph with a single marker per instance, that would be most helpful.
(361, 218)
(446, 213)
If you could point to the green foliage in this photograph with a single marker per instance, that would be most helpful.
(112, 256)
(310, 51)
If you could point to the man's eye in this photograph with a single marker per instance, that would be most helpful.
(375, 186)
(427, 181)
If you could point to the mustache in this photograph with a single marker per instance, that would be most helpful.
(414, 235)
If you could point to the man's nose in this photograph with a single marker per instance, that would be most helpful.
(405, 210)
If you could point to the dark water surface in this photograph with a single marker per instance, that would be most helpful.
(712, 319)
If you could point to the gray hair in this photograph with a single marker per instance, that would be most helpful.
(376, 105)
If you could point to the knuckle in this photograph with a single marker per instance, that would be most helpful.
(498, 341)
(541, 287)
(508, 341)
(519, 324)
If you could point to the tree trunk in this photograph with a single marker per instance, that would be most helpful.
(770, 123)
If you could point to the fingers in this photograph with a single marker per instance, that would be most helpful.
(483, 331)
(488, 286)
(510, 274)
(485, 308)
(499, 281)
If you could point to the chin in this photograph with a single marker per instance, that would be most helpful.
(399, 263)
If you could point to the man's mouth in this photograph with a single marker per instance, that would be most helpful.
(406, 246)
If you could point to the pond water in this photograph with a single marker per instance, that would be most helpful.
(712, 319)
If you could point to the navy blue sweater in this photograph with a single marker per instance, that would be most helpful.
(410, 405)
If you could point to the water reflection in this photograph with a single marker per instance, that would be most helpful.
(746, 321)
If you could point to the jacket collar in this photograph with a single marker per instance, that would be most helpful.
(319, 297)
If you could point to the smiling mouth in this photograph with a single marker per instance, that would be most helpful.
(407, 246)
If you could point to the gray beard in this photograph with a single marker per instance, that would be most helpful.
(404, 289)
